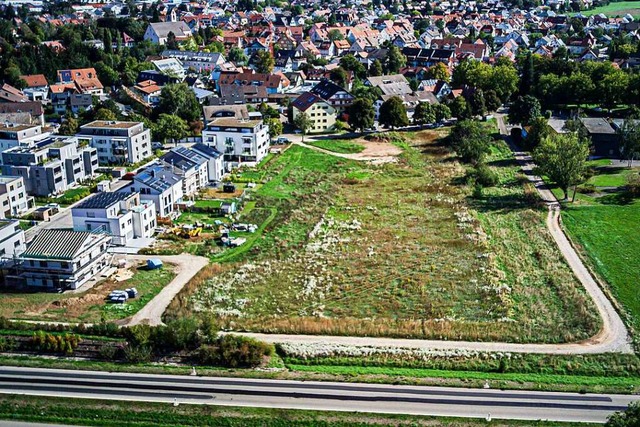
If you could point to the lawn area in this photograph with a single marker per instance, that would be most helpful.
(608, 233)
(193, 217)
(67, 198)
(208, 203)
(337, 145)
(611, 177)
(616, 9)
(400, 249)
(89, 306)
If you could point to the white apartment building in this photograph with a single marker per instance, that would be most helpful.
(161, 185)
(14, 200)
(241, 141)
(191, 166)
(118, 142)
(12, 242)
(14, 135)
(119, 215)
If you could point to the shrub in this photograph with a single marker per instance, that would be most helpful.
(7, 344)
(109, 352)
(137, 354)
(586, 189)
(485, 176)
(48, 343)
(234, 351)
(633, 184)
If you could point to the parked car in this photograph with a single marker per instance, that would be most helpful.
(282, 141)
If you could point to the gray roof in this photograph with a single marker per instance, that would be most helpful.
(597, 125)
(58, 244)
(102, 200)
(206, 150)
(157, 177)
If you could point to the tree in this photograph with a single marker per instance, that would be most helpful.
(303, 122)
(375, 69)
(441, 112)
(351, 63)
(172, 43)
(477, 103)
(170, 126)
(538, 130)
(470, 140)
(395, 60)
(439, 72)
(275, 126)
(460, 108)
(108, 41)
(628, 418)
(106, 74)
(424, 113)
(264, 62)
(630, 141)
(179, 100)
(525, 110)
(105, 114)
(528, 73)
(339, 76)
(562, 157)
(393, 113)
(70, 125)
(237, 55)
(361, 114)
(491, 100)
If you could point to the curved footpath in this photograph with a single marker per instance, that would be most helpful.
(613, 336)
(186, 267)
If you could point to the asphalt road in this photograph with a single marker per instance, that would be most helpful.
(351, 397)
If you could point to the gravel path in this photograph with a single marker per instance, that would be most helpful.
(186, 267)
(374, 152)
(613, 337)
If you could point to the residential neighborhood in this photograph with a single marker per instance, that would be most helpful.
(441, 198)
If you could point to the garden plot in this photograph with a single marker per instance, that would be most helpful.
(398, 249)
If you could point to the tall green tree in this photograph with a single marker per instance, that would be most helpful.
(70, 125)
(375, 69)
(525, 110)
(237, 56)
(393, 113)
(179, 100)
(460, 108)
(275, 126)
(424, 113)
(351, 63)
(170, 127)
(339, 76)
(264, 62)
(470, 140)
(563, 158)
(441, 112)
(630, 141)
(361, 114)
(395, 60)
(303, 122)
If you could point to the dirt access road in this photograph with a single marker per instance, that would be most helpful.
(613, 337)
(186, 267)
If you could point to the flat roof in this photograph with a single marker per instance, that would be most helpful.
(110, 124)
(15, 127)
(8, 178)
(597, 125)
(233, 122)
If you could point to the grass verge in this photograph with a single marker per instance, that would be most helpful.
(337, 145)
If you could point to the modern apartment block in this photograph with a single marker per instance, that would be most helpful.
(12, 241)
(241, 141)
(14, 135)
(62, 259)
(120, 215)
(52, 166)
(14, 200)
(118, 142)
(162, 185)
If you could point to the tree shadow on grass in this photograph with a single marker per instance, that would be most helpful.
(504, 163)
(505, 203)
(621, 198)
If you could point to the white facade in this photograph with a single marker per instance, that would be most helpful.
(144, 219)
(14, 135)
(159, 184)
(14, 200)
(118, 142)
(241, 141)
(12, 242)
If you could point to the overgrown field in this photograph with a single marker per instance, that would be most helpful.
(337, 145)
(404, 249)
(89, 306)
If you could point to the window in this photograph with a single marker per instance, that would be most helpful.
(91, 214)
(43, 264)
(16, 243)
